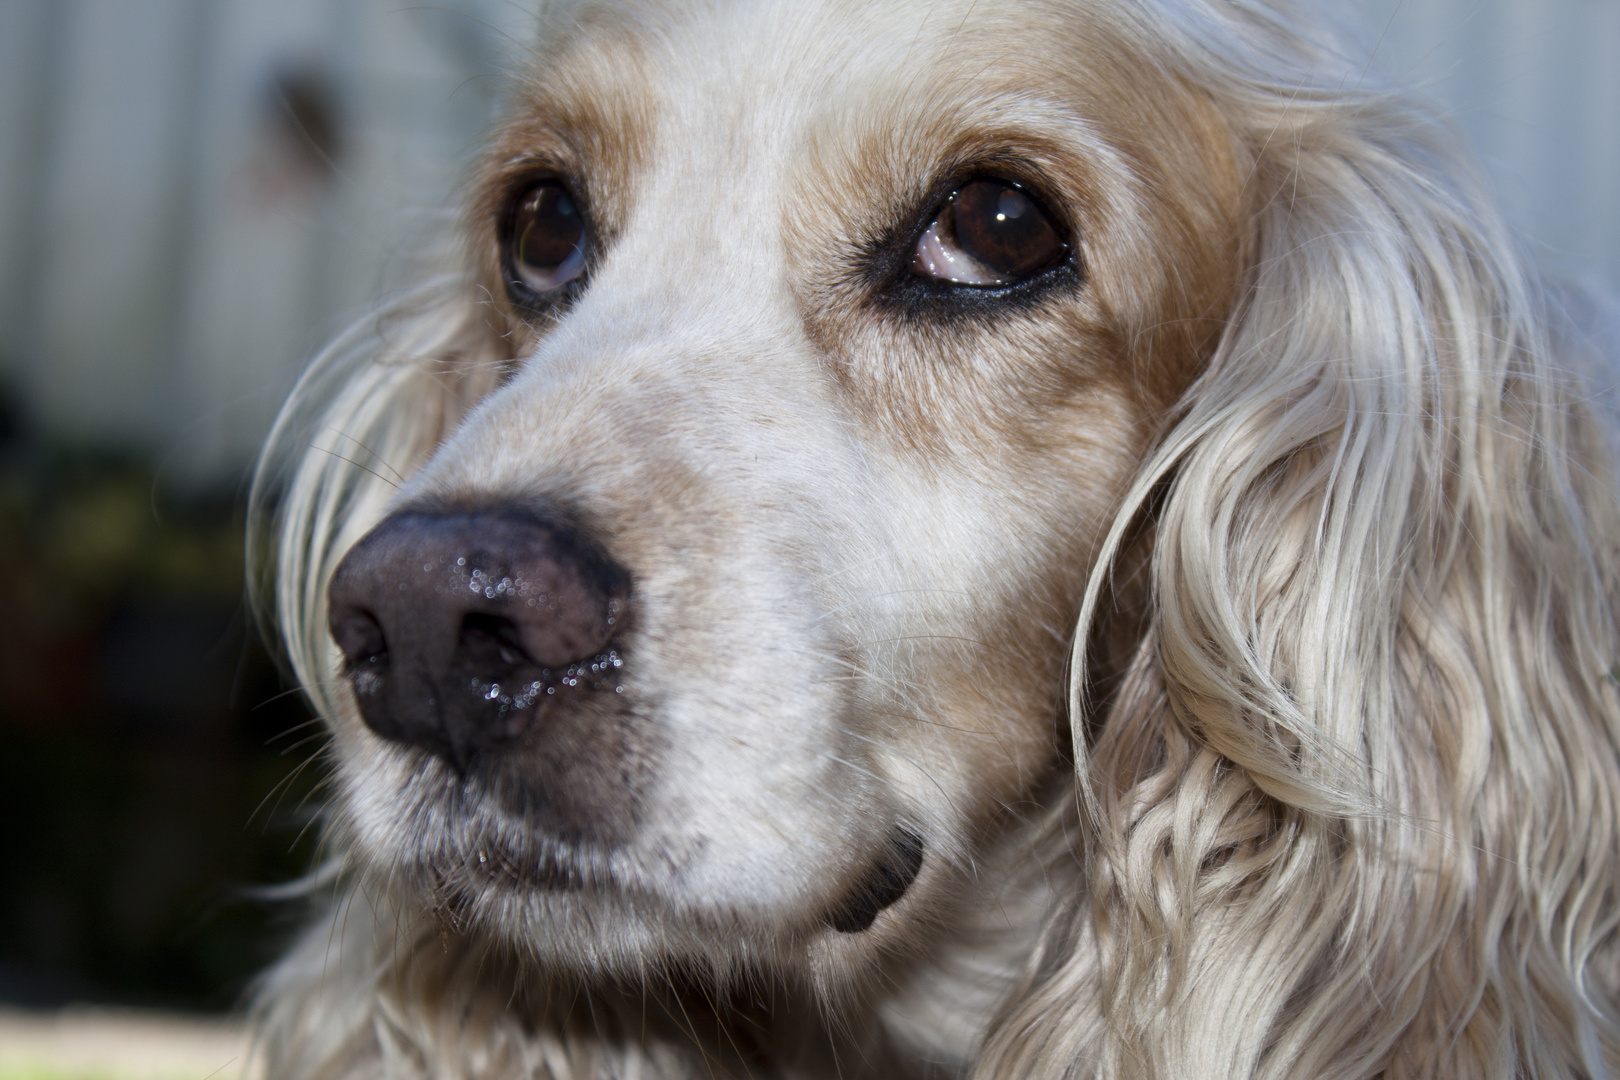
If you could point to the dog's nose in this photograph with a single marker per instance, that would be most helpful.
(460, 628)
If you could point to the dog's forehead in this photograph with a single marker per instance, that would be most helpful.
(761, 76)
(748, 50)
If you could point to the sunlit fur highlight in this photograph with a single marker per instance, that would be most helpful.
(1350, 810)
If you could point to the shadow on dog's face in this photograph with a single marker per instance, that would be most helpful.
(731, 624)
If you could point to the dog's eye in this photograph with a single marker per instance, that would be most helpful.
(989, 232)
(544, 240)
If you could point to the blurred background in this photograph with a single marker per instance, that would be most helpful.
(194, 195)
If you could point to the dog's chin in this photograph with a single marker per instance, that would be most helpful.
(590, 904)
(568, 917)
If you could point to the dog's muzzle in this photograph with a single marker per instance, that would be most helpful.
(460, 629)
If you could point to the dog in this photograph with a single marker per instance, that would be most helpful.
(973, 538)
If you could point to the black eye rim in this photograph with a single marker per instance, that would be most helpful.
(517, 291)
(893, 285)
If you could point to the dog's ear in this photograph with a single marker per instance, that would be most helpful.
(361, 420)
(1352, 806)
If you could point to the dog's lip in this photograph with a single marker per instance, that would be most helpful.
(553, 866)
(889, 878)
(531, 863)
(550, 870)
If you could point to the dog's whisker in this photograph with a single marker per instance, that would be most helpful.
(318, 736)
(351, 461)
(922, 769)
(889, 594)
(282, 786)
(315, 721)
(399, 478)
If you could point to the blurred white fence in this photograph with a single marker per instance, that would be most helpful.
(173, 244)
(1536, 86)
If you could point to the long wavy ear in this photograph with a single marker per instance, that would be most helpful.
(364, 416)
(1353, 809)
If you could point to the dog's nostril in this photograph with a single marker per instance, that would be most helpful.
(492, 641)
(359, 636)
(458, 628)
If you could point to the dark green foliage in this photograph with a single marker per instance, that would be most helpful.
(142, 726)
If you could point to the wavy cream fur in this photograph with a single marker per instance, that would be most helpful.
(1345, 804)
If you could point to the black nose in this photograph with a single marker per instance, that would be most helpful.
(459, 629)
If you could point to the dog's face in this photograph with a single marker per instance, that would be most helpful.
(837, 331)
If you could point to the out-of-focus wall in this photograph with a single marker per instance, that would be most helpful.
(195, 193)
(1535, 84)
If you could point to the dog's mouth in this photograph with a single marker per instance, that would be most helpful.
(502, 865)
(555, 867)
(884, 884)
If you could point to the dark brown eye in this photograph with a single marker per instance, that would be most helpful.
(988, 233)
(544, 241)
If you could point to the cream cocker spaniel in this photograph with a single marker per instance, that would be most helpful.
(997, 538)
